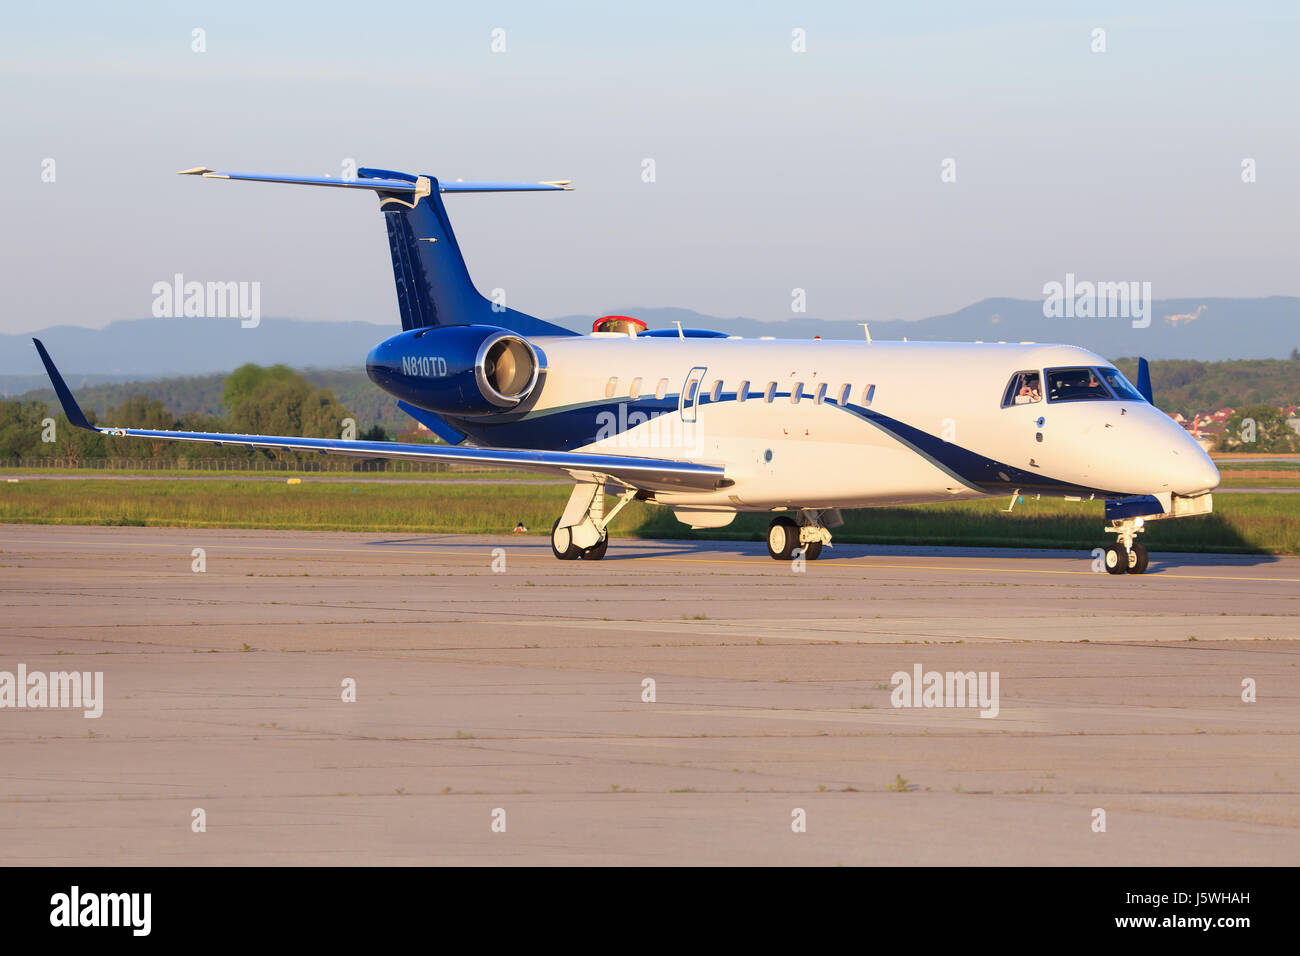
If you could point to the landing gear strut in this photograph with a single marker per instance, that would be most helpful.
(1127, 555)
(785, 535)
(582, 531)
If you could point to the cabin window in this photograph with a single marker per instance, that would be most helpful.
(796, 393)
(770, 393)
(716, 394)
(1076, 385)
(634, 392)
(821, 394)
(742, 391)
(1025, 388)
(692, 389)
(662, 388)
(845, 391)
(868, 394)
(610, 386)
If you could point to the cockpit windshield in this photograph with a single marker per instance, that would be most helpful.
(1120, 385)
(1076, 385)
(1100, 384)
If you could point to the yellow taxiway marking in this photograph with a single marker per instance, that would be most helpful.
(745, 561)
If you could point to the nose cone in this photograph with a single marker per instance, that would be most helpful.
(1141, 451)
(1194, 471)
(1163, 456)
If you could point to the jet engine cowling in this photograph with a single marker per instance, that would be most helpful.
(464, 371)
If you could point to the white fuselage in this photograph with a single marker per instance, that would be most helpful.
(922, 422)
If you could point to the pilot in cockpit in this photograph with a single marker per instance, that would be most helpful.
(1029, 391)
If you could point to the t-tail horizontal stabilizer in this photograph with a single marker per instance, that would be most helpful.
(433, 283)
(382, 180)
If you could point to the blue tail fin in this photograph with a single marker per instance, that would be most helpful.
(433, 283)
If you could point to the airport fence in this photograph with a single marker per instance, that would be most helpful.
(323, 464)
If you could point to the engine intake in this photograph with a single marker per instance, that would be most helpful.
(506, 368)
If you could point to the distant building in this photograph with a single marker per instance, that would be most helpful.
(1209, 434)
(1207, 427)
(1292, 413)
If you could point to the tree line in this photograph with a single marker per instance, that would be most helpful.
(257, 400)
(1189, 387)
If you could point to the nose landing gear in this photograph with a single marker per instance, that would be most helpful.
(1127, 555)
(782, 539)
(1137, 558)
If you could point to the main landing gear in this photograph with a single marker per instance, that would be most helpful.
(1127, 555)
(562, 545)
(809, 532)
(582, 531)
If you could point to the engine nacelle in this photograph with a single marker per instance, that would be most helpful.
(464, 371)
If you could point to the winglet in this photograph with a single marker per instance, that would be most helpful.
(70, 406)
(1144, 380)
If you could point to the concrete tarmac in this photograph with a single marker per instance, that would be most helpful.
(496, 683)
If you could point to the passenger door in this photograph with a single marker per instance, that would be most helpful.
(690, 395)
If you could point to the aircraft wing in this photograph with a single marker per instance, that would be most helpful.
(651, 474)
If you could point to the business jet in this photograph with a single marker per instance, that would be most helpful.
(710, 425)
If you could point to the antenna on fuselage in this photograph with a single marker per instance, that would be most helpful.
(680, 333)
(866, 330)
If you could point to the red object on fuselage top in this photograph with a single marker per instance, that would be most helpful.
(618, 323)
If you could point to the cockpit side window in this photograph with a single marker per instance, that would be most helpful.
(1120, 385)
(1076, 385)
(1025, 388)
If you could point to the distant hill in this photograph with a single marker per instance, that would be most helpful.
(1195, 329)
(1202, 329)
(163, 348)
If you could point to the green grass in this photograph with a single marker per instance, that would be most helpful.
(1248, 523)
(312, 505)
(1235, 482)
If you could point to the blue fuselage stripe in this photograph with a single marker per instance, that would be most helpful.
(576, 426)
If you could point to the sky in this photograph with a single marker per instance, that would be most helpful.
(774, 170)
